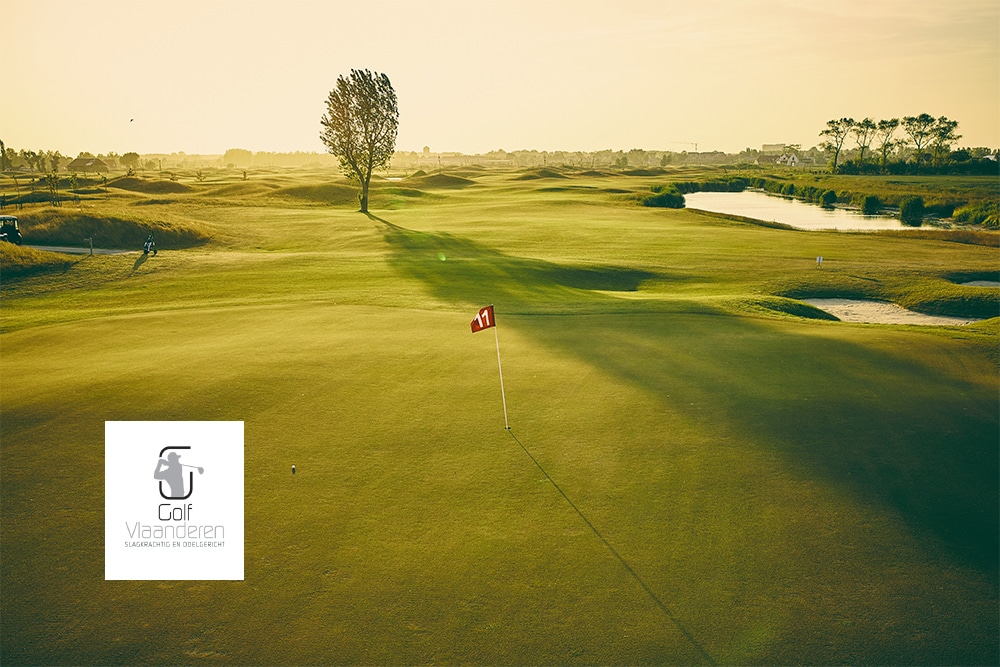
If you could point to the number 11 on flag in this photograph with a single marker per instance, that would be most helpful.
(484, 320)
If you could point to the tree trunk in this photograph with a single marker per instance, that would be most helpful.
(364, 196)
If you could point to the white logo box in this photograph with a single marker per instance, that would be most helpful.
(161, 525)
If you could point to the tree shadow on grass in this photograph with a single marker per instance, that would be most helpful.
(458, 270)
(890, 429)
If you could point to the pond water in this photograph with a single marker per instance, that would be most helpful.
(802, 215)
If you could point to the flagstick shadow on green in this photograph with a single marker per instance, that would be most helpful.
(614, 552)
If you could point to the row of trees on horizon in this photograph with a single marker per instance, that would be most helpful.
(915, 140)
(52, 161)
(913, 144)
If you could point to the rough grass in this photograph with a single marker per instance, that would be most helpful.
(68, 227)
(970, 236)
(985, 213)
(19, 261)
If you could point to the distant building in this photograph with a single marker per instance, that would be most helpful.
(87, 164)
(786, 159)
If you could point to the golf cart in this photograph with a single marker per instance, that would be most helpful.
(8, 229)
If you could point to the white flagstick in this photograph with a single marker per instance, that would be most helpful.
(496, 336)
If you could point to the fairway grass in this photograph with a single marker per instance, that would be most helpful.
(791, 490)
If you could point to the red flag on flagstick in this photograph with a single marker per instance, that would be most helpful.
(484, 319)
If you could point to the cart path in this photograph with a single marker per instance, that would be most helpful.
(81, 251)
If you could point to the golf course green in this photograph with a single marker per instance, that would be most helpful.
(701, 468)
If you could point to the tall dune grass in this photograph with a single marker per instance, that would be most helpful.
(20, 261)
(71, 228)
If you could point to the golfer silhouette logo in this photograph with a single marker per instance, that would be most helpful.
(171, 471)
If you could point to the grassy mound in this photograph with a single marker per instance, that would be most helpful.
(240, 190)
(158, 187)
(37, 197)
(927, 295)
(439, 181)
(402, 192)
(18, 261)
(324, 193)
(567, 188)
(967, 236)
(55, 227)
(983, 303)
(472, 171)
(944, 297)
(786, 306)
(539, 173)
(969, 276)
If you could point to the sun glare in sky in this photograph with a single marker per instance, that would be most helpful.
(480, 75)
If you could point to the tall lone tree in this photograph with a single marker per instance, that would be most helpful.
(360, 125)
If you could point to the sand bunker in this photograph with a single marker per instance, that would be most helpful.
(983, 283)
(880, 312)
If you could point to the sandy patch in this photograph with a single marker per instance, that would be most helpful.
(880, 312)
(983, 283)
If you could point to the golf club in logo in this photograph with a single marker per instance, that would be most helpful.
(171, 471)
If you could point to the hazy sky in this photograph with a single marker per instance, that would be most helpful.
(478, 75)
